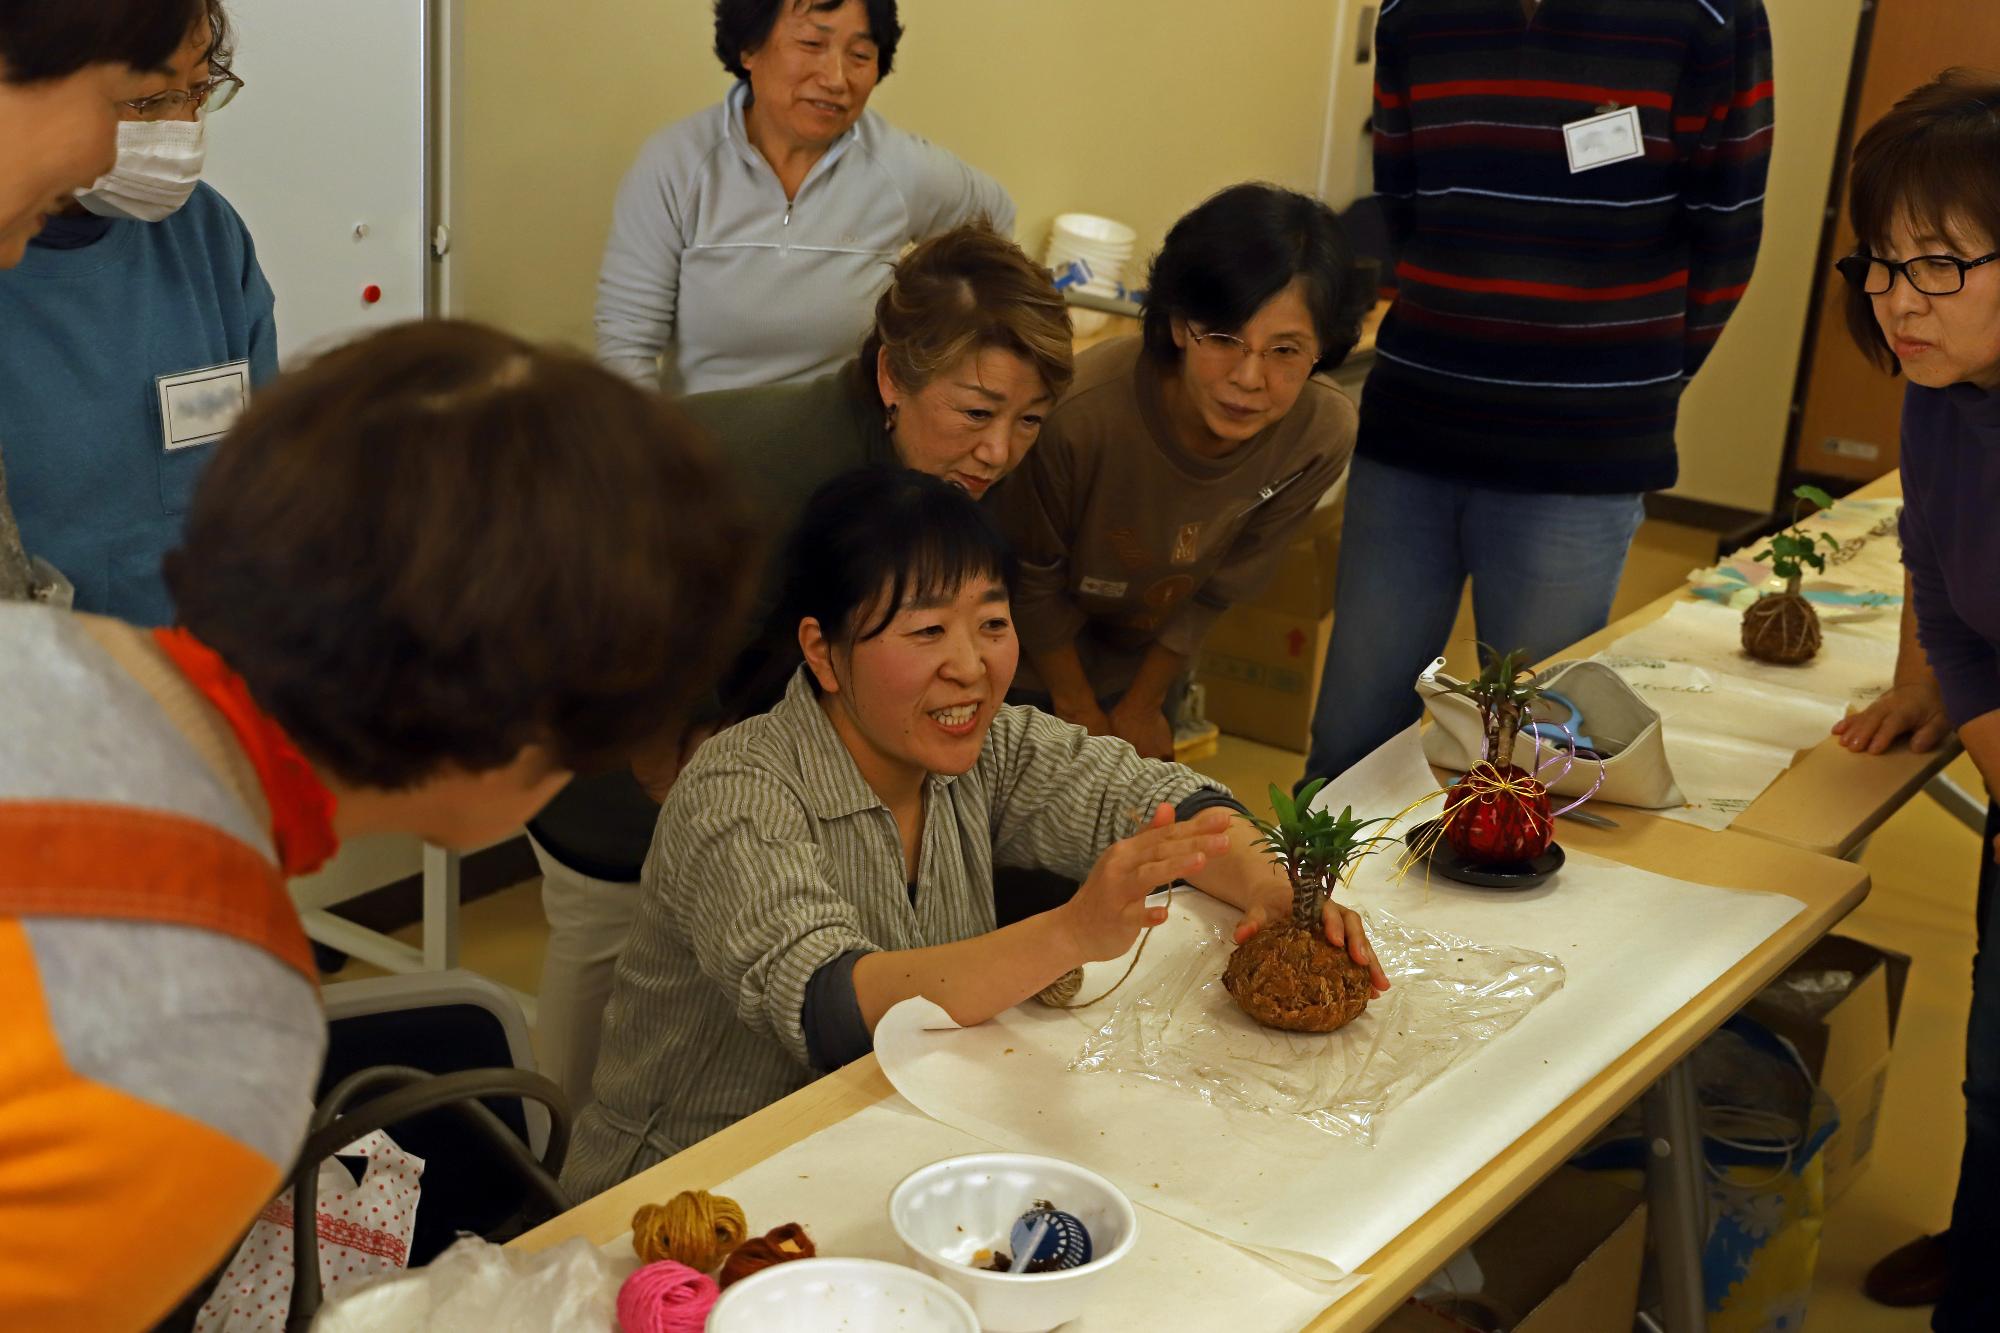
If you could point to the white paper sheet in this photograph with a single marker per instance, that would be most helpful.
(1734, 724)
(838, 1182)
(1638, 946)
(1727, 737)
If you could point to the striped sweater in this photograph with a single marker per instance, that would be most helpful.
(772, 859)
(1546, 321)
(160, 1028)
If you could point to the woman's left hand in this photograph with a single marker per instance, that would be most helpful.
(1144, 727)
(1343, 930)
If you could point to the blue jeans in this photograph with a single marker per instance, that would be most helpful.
(1544, 569)
(1971, 1300)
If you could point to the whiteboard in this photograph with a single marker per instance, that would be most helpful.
(328, 153)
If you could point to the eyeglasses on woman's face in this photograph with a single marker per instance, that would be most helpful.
(1287, 358)
(214, 93)
(1932, 275)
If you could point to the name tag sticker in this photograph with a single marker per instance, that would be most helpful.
(199, 406)
(1601, 140)
(1092, 587)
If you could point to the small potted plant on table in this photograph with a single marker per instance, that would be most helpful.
(1498, 813)
(1287, 975)
(1782, 627)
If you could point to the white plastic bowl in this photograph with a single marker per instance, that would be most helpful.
(948, 1211)
(1090, 227)
(841, 1296)
(1062, 254)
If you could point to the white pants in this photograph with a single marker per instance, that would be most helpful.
(588, 922)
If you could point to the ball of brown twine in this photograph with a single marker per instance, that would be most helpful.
(776, 1246)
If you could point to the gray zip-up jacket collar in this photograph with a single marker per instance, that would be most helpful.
(711, 269)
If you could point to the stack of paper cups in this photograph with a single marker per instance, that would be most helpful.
(1105, 246)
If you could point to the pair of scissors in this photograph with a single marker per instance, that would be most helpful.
(1563, 734)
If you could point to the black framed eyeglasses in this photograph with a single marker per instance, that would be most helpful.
(215, 94)
(1933, 275)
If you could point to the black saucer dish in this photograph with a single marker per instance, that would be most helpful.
(1444, 859)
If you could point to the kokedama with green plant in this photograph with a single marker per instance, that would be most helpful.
(1287, 975)
(1498, 812)
(1782, 627)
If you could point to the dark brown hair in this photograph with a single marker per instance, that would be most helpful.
(441, 543)
(1935, 158)
(1237, 250)
(42, 40)
(959, 292)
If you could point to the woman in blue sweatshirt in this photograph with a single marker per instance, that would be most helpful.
(130, 336)
(1925, 298)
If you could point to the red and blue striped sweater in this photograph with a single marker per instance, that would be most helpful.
(1546, 322)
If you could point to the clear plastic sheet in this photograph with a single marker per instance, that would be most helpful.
(479, 1287)
(1809, 994)
(1447, 995)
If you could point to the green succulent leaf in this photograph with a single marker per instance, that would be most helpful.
(1813, 495)
(1286, 809)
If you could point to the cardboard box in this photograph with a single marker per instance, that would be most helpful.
(1845, 1041)
(1260, 666)
(1260, 672)
(1302, 584)
(1567, 1259)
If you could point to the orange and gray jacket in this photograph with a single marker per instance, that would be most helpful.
(160, 1027)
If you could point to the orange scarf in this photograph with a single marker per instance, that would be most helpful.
(301, 805)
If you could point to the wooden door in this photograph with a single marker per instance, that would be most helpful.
(1849, 410)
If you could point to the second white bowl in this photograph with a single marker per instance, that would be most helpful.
(827, 1295)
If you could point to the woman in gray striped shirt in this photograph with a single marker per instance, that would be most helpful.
(817, 865)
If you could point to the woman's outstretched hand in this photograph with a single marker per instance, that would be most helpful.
(1109, 910)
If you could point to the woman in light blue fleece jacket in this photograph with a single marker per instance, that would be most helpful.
(750, 240)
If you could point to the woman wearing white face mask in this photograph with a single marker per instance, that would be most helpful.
(130, 336)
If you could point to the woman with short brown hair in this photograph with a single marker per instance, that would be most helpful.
(425, 577)
(1924, 299)
(969, 349)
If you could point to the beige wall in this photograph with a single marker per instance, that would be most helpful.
(1735, 415)
(1134, 108)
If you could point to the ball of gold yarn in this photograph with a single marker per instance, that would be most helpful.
(694, 1227)
(1058, 993)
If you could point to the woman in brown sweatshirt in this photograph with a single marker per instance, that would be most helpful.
(1181, 461)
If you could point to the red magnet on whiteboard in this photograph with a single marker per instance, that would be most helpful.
(371, 294)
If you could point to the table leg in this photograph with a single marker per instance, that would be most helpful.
(441, 869)
(1677, 1196)
(1962, 804)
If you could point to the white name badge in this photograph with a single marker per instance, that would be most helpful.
(1602, 140)
(199, 406)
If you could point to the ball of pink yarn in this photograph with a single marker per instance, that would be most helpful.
(666, 1297)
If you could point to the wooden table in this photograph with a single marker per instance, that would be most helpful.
(1830, 799)
(1829, 888)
